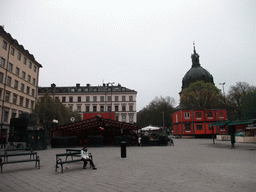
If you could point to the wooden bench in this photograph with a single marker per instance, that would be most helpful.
(6, 151)
(69, 153)
(7, 156)
(18, 149)
(73, 151)
(60, 162)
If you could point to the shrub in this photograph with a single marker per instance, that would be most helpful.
(95, 141)
(162, 140)
(59, 142)
(126, 138)
(145, 140)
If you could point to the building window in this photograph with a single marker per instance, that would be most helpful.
(79, 90)
(72, 90)
(63, 99)
(29, 78)
(7, 96)
(130, 98)
(102, 98)
(23, 75)
(117, 118)
(199, 127)
(222, 127)
(187, 115)
(22, 87)
(14, 114)
(109, 98)
(123, 118)
(17, 71)
(28, 90)
(34, 81)
(87, 108)
(123, 98)
(221, 114)
(94, 108)
(94, 98)
(4, 45)
(19, 56)
(25, 60)
(32, 105)
(87, 99)
(30, 64)
(130, 107)
(34, 68)
(9, 81)
(209, 115)
(79, 99)
(70, 99)
(6, 116)
(95, 90)
(2, 62)
(10, 66)
(21, 101)
(198, 114)
(101, 108)
(27, 103)
(12, 50)
(187, 126)
(131, 118)
(70, 107)
(1, 77)
(116, 108)
(123, 108)
(109, 108)
(16, 83)
(79, 108)
(116, 98)
(33, 92)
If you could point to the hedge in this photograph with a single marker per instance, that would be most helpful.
(95, 141)
(62, 142)
(126, 138)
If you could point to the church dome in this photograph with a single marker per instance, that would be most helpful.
(196, 73)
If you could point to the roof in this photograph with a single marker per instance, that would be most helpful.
(87, 88)
(196, 73)
(15, 43)
(96, 123)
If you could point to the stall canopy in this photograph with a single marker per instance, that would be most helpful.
(150, 128)
(95, 124)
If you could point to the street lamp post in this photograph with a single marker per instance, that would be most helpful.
(223, 91)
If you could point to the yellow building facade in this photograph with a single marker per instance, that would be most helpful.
(19, 74)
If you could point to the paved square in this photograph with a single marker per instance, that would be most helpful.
(190, 165)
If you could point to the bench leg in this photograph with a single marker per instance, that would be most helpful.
(1, 168)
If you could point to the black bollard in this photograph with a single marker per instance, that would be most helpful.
(123, 149)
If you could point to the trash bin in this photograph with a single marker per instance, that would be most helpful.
(123, 149)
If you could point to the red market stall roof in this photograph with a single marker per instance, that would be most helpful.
(96, 123)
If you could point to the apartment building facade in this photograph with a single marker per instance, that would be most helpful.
(106, 98)
(19, 73)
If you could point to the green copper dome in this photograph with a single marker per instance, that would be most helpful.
(196, 73)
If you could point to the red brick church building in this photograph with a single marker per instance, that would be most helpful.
(196, 122)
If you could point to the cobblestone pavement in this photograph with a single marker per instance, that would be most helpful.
(190, 165)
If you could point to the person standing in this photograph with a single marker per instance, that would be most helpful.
(85, 158)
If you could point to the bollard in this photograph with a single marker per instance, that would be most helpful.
(123, 149)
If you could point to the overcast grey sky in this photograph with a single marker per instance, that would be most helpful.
(143, 45)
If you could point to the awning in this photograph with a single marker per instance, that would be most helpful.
(219, 123)
(242, 122)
